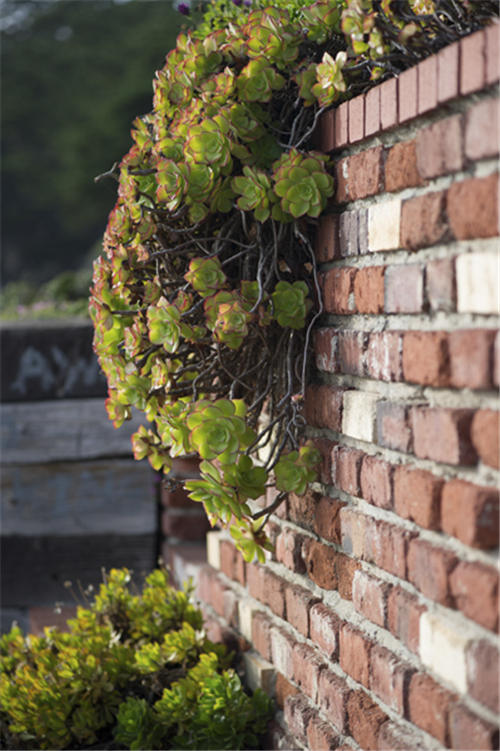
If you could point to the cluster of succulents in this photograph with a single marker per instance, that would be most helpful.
(205, 295)
(133, 670)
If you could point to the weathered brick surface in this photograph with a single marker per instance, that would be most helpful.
(381, 595)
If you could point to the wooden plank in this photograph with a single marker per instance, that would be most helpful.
(49, 360)
(78, 498)
(34, 570)
(62, 430)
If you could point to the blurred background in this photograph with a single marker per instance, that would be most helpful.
(74, 75)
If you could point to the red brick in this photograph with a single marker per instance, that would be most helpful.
(298, 714)
(261, 634)
(372, 111)
(327, 519)
(223, 600)
(429, 706)
(187, 525)
(481, 130)
(472, 63)
(404, 288)
(485, 434)
(425, 358)
(439, 148)
(369, 596)
(337, 287)
(471, 354)
(306, 669)
(324, 629)
(492, 52)
(177, 498)
(347, 465)
(329, 569)
(321, 736)
(401, 169)
(342, 125)
(289, 550)
(320, 562)
(376, 482)
(474, 588)
(440, 285)
(453, 428)
(332, 698)
(365, 719)
(356, 119)
(383, 356)
(393, 427)
(323, 407)
(365, 173)
(282, 689)
(483, 662)
(417, 496)
(427, 84)
(355, 654)
(429, 569)
(423, 220)
(403, 617)
(298, 604)
(351, 346)
(389, 677)
(387, 547)
(470, 513)
(267, 587)
(327, 131)
(388, 103)
(369, 289)
(327, 240)
(472, 207)
(408, 94)
(469, 731)
(448, 72)
(281, 651)
(232, 563)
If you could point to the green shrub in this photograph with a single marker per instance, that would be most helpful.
(204, 301)
(134, 671)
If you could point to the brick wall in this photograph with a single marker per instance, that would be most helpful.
(375, 622)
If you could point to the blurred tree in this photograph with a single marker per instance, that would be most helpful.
(74, 76)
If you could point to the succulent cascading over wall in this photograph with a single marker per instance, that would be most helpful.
(204, 298)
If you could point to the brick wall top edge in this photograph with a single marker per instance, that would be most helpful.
(462, 68)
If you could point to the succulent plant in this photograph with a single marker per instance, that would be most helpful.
(302, 183)
(201, 300)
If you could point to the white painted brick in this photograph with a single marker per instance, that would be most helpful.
(213, 548)
(443, 649)
(281, 651)
(258, 672)
(384, 221)
(359, 413)
(246, 609)
(478, 283)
